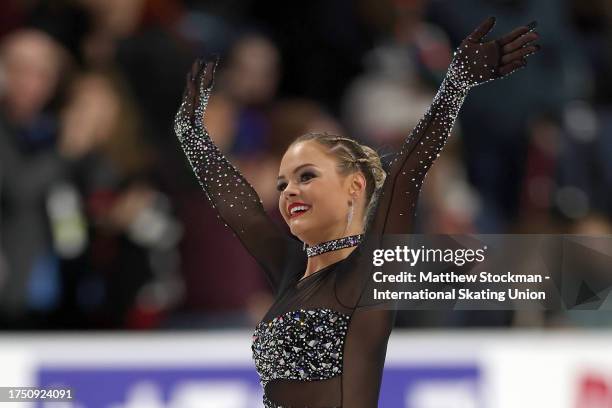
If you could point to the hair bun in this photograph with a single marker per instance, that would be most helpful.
(373, 163)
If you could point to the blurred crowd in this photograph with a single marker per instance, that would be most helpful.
(103, 224)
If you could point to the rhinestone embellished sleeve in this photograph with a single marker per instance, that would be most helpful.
(235, 200)
(475, 62)
(421, 148)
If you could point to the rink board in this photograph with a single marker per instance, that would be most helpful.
(424, 369)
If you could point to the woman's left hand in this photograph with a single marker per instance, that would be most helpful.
(477, 61)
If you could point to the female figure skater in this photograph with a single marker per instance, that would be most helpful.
(318, 346)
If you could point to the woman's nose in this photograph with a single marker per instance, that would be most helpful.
(290, 191)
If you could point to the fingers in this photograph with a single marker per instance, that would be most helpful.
(512, 66)
(207, 73)
(190, 80)
(201, 74)
(191, 88)
(522, 52)
(520, 42)
(516, 46)
(516, 33)
(483, 29)
(195, 68)
(199, 79)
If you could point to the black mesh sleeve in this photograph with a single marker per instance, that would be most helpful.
(475, 62)
(235, 200)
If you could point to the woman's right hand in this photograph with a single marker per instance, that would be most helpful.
(198, 87)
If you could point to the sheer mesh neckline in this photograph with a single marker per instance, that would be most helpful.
(317, 272)
(325, 268)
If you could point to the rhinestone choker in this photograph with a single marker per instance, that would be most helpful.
(333, 245)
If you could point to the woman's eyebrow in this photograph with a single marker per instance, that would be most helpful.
(296, 170)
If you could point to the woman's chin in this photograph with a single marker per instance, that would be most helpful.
(299, 228)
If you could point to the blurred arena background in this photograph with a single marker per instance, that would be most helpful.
(115, 273)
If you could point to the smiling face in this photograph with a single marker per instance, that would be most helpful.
(315, 197)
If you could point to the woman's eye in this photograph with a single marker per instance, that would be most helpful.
(306, 176)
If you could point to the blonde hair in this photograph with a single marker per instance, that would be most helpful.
(352, 156)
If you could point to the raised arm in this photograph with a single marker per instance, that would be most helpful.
(475, 62)
(236, 202)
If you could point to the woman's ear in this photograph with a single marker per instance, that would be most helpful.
(357, 185)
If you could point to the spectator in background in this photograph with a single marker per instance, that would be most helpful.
(249, 83)
(127, 274)
(297, 116)
(144, 43)
(539, 181)
(33, 66)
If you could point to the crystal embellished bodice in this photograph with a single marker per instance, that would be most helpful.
(300, 345)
